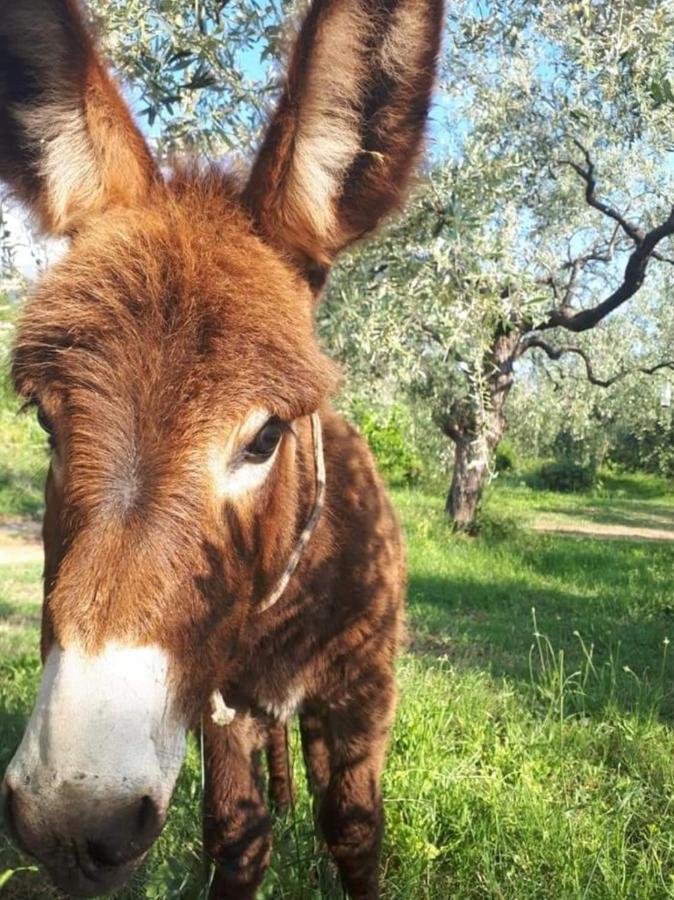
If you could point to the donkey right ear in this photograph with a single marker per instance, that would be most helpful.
(68, 146)
(347, 132)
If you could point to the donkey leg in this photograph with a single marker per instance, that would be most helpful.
(316, 753)
(281, 786)
(351, 814)
(237, 825)
(315, 749)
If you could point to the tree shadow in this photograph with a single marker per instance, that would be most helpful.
(578, 591)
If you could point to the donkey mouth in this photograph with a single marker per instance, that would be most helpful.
(79, 871)
(81, 874)
(80, 867)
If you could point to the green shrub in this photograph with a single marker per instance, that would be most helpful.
(494, 525)
(565, 476)
(650, 449)
(505, 457)
(23, 448)
(390, 442)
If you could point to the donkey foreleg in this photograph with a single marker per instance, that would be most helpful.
(237, 825)
(281, 784)
(315, 749)
(351, 813)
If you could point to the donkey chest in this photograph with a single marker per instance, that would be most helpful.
(282, 705)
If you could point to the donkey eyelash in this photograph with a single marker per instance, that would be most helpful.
(45, 424)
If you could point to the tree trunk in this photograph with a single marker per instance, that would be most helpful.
(476, 435)
(469, 476)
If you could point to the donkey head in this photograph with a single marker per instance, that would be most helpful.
(172, 359)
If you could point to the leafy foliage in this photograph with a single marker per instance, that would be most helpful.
(23, 450)
(505, 457)
(203, 71)
(389, 439)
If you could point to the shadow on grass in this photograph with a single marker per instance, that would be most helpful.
(618, 599)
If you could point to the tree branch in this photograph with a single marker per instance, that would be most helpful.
(555, 353)
(632, 231)
(452, 430)
(645, 249)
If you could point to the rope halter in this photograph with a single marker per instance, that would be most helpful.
(222, 714)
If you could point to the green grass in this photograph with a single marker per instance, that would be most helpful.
(19, 610)
(531, 758)
(23, 456)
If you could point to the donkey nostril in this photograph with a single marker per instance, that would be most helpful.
(149, 819)
(103, 854)
(8, 810)
(129, 837)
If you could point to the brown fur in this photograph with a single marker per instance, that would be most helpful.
(182, 305)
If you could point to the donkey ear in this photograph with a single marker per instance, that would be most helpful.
(68, 146)
(346, 135)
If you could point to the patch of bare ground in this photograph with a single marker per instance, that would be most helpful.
(20, 542)
(603, 530)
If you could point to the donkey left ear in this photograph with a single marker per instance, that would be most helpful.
(68, 145)
(346, 135)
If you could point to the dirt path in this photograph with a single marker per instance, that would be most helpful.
(20, 542)
(595, 529)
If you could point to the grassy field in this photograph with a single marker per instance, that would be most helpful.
(533, 753)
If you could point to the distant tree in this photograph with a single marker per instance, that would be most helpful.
(630, 420)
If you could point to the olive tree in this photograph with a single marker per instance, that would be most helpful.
(201, 71)
(549, 208)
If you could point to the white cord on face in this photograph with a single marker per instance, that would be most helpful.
(310, 527)
(221, 713)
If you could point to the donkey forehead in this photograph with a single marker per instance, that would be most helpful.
(181, 299)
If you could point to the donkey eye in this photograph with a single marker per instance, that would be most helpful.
(265, 441)
(46, 425)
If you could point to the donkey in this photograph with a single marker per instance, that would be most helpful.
(218, 544)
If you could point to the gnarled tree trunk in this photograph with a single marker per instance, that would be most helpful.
(469, 475)
(477, 432)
